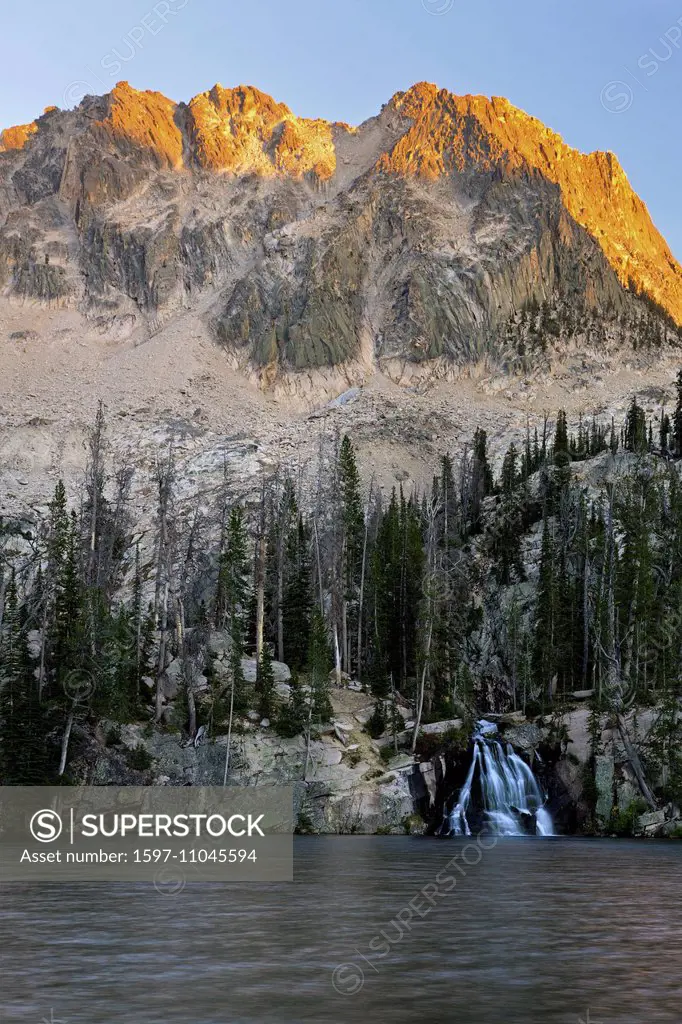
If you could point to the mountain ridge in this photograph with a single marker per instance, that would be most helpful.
(420, 234)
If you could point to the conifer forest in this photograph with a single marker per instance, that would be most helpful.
(495, 590)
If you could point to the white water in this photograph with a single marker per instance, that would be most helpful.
(509, 790)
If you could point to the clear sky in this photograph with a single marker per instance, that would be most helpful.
(557, 59)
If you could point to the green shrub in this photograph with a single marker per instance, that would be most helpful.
(413, 824)
(113, 736)
(139, 759)
(376, 725)
(622, 822)
(451, 742)
(304, 824)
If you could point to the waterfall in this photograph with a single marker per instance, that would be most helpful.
(512, 803)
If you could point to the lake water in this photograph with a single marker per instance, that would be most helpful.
(553, 931)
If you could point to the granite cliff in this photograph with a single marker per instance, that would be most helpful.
(413, 240)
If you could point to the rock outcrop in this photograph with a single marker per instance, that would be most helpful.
(411, 240)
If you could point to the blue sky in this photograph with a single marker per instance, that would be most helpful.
(341, 60)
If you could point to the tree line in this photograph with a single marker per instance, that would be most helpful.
(422, 597)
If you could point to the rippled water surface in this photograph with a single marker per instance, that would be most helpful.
(535, 931)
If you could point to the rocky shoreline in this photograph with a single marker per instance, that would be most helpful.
(355, 784)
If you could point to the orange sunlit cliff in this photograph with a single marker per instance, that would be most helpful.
(433, 134)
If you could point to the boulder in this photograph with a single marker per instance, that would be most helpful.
(363, 715)
(340, 735)
(507, 717)
(219, 643)
(650, 824)
(200, 683)
(526, 736)
(281, 672)
(341, 678)
(439, 728)
(344, 723)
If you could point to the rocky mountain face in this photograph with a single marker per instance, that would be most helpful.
(412, 240)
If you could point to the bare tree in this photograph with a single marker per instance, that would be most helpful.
(430, 592)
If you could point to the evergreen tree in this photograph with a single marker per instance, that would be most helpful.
(544, 656)
(510, 473)
(24, 749)
(292, 715)
(318, 667)
(231, 602)
(352, 537)
(664, 432)
(266, 684)
(635, 429)
(481, 477)
(297, 598)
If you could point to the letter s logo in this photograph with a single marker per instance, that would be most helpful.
(46, 826)
(617, 97)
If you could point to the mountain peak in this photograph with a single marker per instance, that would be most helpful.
(243, 130)
(477, 141)
(453, 134)
(145, 121)
(17, 137)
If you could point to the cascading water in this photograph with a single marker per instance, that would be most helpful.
(512, 802)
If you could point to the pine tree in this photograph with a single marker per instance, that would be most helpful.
(24, 750)
(376, 723)
(664, 432)
(265, 686)
(544, 657)
(510, 472)
(292, 715)
(562, 460)
(482, 483)
(635, 429)
(231, 602)
(318, 666)
(297, 598)
(352, 535)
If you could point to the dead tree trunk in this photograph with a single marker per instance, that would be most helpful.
(65, 740)
(260, 579)
(361, 596)
(229, 734)
(161, 664)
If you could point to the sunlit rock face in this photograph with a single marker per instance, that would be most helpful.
(243, 131)
(450, 134)
(308, 244)
(143, 123)
(17, 137)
